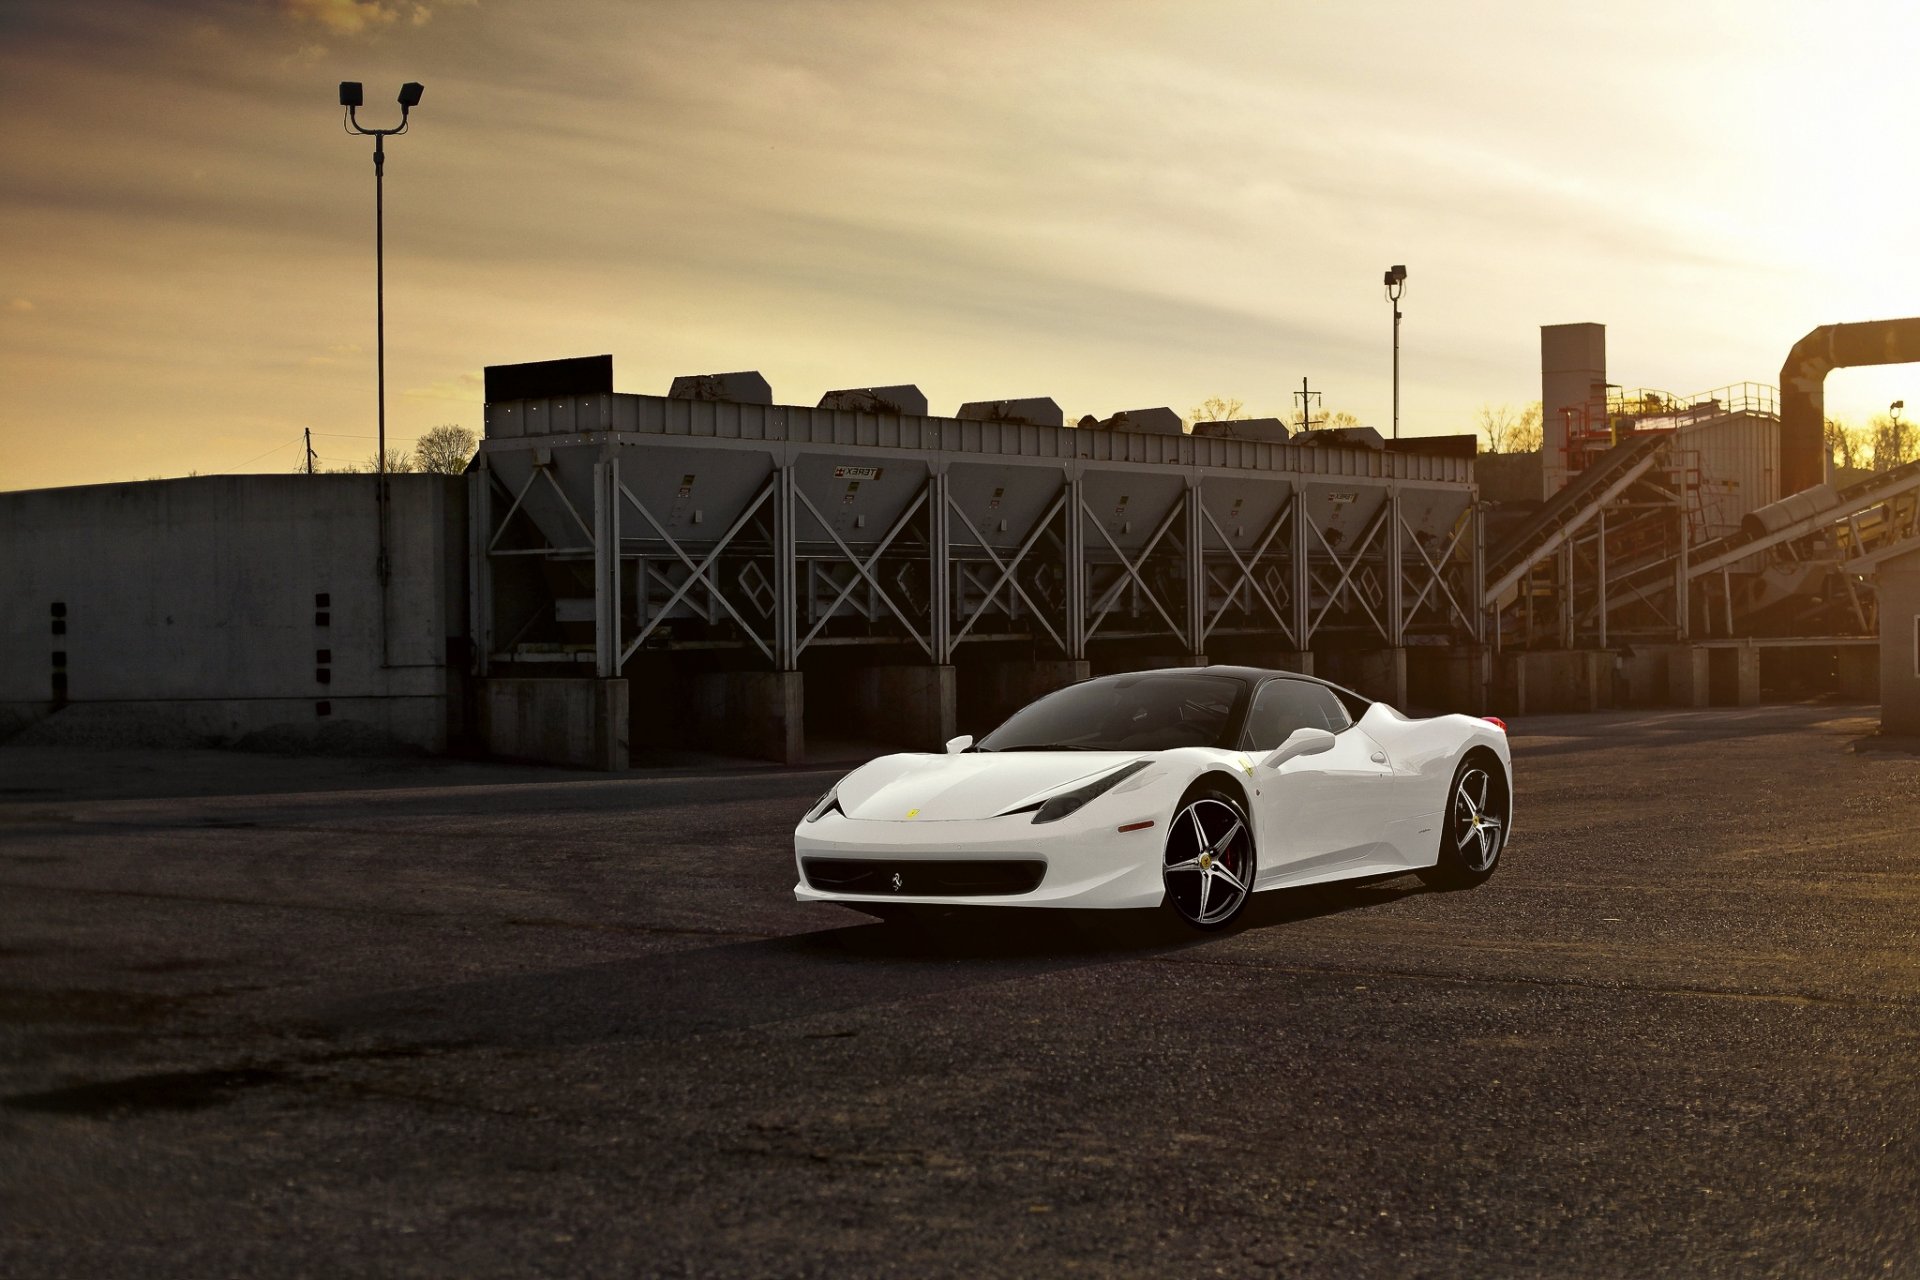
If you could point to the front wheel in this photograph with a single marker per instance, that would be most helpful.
(1209, 864)
(1475, 829)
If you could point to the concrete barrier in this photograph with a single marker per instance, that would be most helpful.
(1375, 673)
(749, 713)
(908, 706)
(562, 720)
(1448, 679)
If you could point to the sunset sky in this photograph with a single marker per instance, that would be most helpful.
(1118, 205)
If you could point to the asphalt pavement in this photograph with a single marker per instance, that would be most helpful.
(267, 1016)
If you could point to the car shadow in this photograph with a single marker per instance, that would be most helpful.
(739, 985)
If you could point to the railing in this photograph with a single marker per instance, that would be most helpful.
(1739, 397)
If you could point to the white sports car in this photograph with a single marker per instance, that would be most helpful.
(1191, 786)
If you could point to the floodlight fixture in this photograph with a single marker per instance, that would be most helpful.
(351, 95)
(410, 94)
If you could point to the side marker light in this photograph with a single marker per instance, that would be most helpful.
(1136, 826)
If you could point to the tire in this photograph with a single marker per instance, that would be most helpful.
(1474, 832)
(1209, 853)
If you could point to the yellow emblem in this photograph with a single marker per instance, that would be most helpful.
(913, 813)
(1206, 862)
(1247, 765)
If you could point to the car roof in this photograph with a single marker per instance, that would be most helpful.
(1247, 675)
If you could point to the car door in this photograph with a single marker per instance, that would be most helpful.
(1318, 811)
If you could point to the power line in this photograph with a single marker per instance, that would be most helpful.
(277, 448)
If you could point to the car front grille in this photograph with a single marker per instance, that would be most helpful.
(946, 878)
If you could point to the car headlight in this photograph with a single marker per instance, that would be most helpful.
(1054, 808)
(826, 804)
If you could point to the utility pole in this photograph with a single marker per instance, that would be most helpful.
(352, 98)
(1306, 398)
(1396, 282)
(308, 433)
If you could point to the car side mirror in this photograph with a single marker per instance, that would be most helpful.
(956, 745)
(1301, 742)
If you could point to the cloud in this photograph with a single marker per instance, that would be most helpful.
(343, 17)
(465, 388)
(359, 17)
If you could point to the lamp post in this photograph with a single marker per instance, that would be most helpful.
(352, 98)
(1396, 282)
(1899, 445)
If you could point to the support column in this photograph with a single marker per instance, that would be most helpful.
(1076, 548)
(1478, 587)
(606, 569)
(940, 565)
(786, 606)
(1858, 667)
(1601, 579)
(1302, 568)
(1196, 571)
(1687, 676)
(1683, 585)
(1747, 672)
(1396, 575)
(480, 565)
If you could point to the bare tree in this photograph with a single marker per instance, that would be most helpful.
(1334, 420)
(445, 450)
(1216, 409)
(1508, 431)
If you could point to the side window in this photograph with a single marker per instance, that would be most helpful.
(1334, 707)
(1281, 706)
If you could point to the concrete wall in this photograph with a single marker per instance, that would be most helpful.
(1898, 583)
(555, 720)
(216, 610)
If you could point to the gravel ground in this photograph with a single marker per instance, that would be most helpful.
(268, 1016)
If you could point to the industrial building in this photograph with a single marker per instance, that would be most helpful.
(1689, 549)
(754, 575)
(711, 568)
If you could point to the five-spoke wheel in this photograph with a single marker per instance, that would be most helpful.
(1209, 864)
(1475, 828)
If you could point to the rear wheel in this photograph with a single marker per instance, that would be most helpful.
(1475, 829)
(1210, 863)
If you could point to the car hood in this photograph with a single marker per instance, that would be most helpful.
(917, 788)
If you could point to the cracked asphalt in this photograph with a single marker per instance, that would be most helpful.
(267, 1016)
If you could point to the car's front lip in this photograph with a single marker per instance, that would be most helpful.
(1087, 864)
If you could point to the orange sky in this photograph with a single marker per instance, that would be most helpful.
(1118, 205)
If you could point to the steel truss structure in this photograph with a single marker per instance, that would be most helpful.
(1621, 560)
(774, 531)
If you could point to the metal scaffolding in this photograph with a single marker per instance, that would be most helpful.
(608, 525)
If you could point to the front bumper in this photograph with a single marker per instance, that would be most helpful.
(1087, 864)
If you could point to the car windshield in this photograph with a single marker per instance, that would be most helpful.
(1154, 711)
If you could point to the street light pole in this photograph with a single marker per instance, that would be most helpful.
(352, 97)
(1396, 282)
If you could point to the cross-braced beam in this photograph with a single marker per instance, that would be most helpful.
(1248, 566)
(863, 571)
(701, 573)
(1008, 580)
(1346, 584)
(1130, 570)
